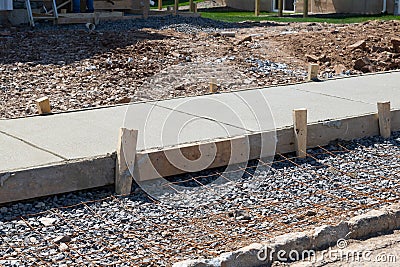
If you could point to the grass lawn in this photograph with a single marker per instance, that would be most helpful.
(166, 3)
(238, 16)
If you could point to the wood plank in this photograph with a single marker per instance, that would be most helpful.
(146, 8)
(76, 18)
(305, 9)
(384, 118)
(280, 8)
(176, 6)
(126, 154)
(257, 8)
(213, 85)
(100, 171)
(118, 5)
(191, 6)
(43, 105)
(154, 164)
(300, 131)
(313, 70)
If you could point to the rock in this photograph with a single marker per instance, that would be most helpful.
(5, 33)
(359, 45)
(47, 221)
(361, 62)
(310, 213)
(241, 215)
(396, 44)
(368, 69)
(327, 235)
(62, 239)
(194, 263)
(228, 34)
(40, 205)
(378, 49)
(323, 58)
(372, 222)
(312, 58)
(244, 257)
(245, 39)
(180, 87)
(124, 100)
(63, 247)
(339, 69)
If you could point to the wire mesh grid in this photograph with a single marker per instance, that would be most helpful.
(291, 194)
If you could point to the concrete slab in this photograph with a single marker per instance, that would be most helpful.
(71, 135)
(268, 108)
(248, 110)
(160, 127)
(16, 154)
(367, 89)
(77, 146)
(93, 133)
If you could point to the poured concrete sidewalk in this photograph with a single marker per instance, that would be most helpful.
(45, 140)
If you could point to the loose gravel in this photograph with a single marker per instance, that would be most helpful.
(98, 228)
(162, 58)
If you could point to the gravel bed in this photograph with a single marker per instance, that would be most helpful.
(98, 228)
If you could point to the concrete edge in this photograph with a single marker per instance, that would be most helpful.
(372, 223)
(238, 90)
(68, 176)
(62, 177)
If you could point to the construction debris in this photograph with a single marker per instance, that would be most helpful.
(128, 61)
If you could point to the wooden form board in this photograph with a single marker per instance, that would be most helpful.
(94, 18)
(95, 172)
(115, 5)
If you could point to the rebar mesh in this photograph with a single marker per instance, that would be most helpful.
(333, 183)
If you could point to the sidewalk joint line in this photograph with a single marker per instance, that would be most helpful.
(203, 117)
(335, 96)
(33, 145)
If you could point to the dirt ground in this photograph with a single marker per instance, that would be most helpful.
(79, 69)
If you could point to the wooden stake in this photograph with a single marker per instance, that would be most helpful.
(195, 7)
(146, 8)
(43, 105)
(159, 4)
(280, 8)
(305, 9)
(191, 6)
(384, 115)
(257, 8)
(126, 154)
(300, 131)
(176, 7)
(213, 85)
(313, 70)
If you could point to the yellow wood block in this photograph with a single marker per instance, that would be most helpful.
(43, 105)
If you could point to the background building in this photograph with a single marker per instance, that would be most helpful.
(321, 6)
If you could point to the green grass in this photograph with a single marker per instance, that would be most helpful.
(171, 3)
(238, 16)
